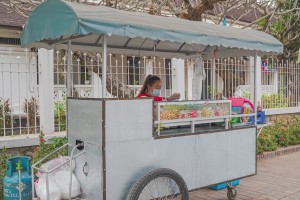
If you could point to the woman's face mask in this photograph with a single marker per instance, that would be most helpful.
(155, 93)
(155, 89)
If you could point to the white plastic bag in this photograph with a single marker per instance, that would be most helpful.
(62, 179)
(58, 161)
(41, 191)
(59, 180)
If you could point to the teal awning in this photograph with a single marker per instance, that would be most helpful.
(54, 22)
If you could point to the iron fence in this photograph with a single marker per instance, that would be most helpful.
(227, 77)
(19, 107)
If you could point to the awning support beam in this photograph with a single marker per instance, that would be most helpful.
(143, 42)
(99, 38)
(156, 43)
(127, 42)
(53, 42)
(181, 47)
(132, 48)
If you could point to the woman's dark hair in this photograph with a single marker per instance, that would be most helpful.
(149, 81)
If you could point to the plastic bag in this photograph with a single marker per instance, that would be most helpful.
(58, 180)
(62, 179)
(41, 191)
(57, 161)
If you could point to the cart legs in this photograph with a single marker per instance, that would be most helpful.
(231, 192)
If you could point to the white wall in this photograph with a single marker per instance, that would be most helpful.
(178, 82)
(17, 78)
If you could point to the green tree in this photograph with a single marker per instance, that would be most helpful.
(282, 21)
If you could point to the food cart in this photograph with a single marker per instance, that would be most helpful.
(135, 148)
(122, 144)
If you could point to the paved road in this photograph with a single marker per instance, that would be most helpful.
(277, 178)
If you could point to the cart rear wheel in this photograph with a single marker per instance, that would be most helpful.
(159, 184)
(231, 193)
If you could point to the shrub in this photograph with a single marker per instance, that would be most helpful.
(60, 115)
(266, 142)
(277, 135)
(281, 135)
(274, 101)
(46, 148)
(3, 157)
(295, 132)
(5, 112)
(31, 108)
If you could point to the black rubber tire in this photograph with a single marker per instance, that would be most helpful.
(138, 187)
(231, 193)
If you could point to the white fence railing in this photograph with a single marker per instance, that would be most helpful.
(244, 90)
(19, 83)
(19, 107)
(284, 76)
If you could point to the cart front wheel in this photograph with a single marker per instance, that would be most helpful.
(231, 193)
(160, 184)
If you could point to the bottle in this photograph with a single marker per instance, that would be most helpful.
(259, 108)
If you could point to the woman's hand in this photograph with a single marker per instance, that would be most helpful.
(174, 96)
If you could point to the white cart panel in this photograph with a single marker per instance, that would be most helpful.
(126, 162)
(129, 144)
(224, 156)
(85, 123)
(242, 149)
(177, 153)
(211, 151)
(128, 120)
(85, 120)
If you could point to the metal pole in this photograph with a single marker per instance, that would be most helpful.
(69, 71)
(47, 187)
(71, 171)
(104, 54)
(213, 78)
(20, 191)
(32, 183)
(255, 88)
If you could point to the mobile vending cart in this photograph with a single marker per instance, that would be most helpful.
(135, 148)
(127, 150)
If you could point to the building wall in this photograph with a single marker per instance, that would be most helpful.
(18, 74)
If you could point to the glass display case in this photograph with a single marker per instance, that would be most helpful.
(168, 114)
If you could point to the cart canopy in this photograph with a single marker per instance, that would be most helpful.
(55, 21)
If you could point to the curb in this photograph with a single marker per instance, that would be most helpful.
(294, 196)
(279, 152)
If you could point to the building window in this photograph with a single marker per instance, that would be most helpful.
(134, 71)
(11, 41)
(168, 72)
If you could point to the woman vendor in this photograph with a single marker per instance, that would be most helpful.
(152, 88)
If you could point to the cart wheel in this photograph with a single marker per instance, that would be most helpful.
(231, 193)
(159, 184)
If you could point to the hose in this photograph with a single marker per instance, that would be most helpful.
(71, 170)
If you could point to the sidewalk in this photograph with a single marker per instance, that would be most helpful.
(277, 178)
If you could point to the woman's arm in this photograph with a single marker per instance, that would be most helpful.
(173, 97)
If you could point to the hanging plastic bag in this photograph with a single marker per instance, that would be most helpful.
(56, 162)
(62, 179)
(41, 191)
(59, 180)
